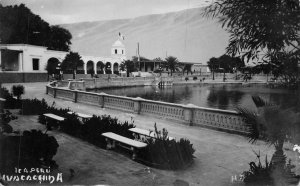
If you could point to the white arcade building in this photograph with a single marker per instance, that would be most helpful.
(33, 59)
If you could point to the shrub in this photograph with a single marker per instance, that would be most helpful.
(5, 118)
(269, 174)
(18, 90)
(167, 154)
(94, 127)
(186, 78)
(71, 125)
(195, 78)
(33, 106)
(10, 102)
(39, 107)
(33, 149)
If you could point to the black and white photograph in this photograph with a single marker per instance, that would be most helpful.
(150, 92)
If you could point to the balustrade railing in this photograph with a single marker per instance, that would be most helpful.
(224, 120)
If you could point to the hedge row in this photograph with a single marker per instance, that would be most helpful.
(160, 153)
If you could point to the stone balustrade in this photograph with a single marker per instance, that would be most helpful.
(225, 120)
(117, 82)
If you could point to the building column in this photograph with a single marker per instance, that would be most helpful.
(95, 68)
(84, 68)
(112, 68)
(20, 61)
(104, 67)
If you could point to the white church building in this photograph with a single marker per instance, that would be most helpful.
(24, 58)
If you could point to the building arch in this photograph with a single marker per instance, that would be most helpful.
(52, 65)
(116, 68)
(80, 68)
(108, 68)
(100, 67)
(90, 67)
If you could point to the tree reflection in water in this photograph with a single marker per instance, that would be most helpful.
(219, 96)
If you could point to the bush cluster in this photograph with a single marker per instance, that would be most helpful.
(10, 102)
(161, 153)
(167, 154)
(270, 174)
(18, 90)
(32, 149)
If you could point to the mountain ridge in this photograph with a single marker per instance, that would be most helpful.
(184, 34)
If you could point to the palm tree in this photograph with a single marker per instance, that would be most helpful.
(71, 62)
(273, 124)
(173, 64)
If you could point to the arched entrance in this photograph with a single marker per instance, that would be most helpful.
(116, 68)
(100, 66)
(53, 68)
(90, 67)
(80, 68)
(108, 68)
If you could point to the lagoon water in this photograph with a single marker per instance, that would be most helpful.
(221, 96)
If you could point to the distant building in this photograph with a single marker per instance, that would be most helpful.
(151, 66)
(33, 59)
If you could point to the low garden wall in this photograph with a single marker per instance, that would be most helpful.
(225, 120)
(20, 77)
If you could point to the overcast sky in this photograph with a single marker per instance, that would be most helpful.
(70, 11)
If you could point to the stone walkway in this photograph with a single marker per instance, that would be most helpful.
(218, 156)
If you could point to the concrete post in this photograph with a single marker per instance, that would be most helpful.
(95, 68)
(20, 62)
(101, 99)
(84, 68)
(189, 113)
(112, 68)
(54, 92)
(75, 95)
(137, 105)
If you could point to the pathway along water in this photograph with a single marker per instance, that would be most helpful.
(221, 96)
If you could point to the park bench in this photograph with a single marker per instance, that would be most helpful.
(113, 139)
(53, 117)
(84, 117)
(146, 133)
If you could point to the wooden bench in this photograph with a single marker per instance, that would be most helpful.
(84, 117)
(53, 117)
(146, 133)
(111, 139)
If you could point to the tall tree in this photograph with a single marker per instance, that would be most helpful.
(173, 64)
(19, 25)
(260, 29)
(128, 66)
(71, 62)
(213, 65)
(60, 39)
(258, 26)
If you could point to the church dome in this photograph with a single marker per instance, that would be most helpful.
(118, 43)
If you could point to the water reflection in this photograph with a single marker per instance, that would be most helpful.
(220, 96)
